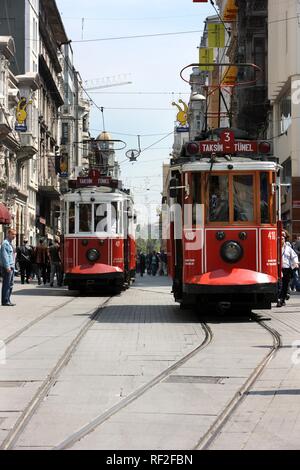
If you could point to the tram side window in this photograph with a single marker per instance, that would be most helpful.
(218, 198)
(243, 198)
(85, 218)
(72, 217)
(264, 198)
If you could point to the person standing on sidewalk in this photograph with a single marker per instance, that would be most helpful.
(24, 258)
(7, 260)
(55, 263)
(41, 260)
(289, 262)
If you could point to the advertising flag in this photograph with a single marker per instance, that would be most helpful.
(216, 35)
(206, 57)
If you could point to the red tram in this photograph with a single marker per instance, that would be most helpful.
(99, 244)
(230, 254)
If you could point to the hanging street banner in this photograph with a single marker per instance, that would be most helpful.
(206, 55)
(230, 75)
(216, 35)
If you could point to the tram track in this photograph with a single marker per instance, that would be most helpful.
(14, 434)
(103, 417)
(211, 434)
(19, 332)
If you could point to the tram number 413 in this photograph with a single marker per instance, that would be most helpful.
(272, 235)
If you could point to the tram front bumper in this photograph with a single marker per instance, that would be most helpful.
(94, 275)
(239, 286)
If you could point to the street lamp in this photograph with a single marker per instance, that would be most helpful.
(198, 97)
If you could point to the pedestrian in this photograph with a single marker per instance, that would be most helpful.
(289, 262)
(41, 260)
(142, 263)
(148, 263)
(7, 261)
(154, 263)
(55, 263)
(164, 261)
(24, 258)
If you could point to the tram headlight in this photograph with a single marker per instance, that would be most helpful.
(93, 255)
(231, 252)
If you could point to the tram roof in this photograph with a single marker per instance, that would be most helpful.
(235, 165)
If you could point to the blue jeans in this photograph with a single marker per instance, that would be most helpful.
(7, 285)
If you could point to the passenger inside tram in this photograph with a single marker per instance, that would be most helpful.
(243, 198)
(218, 199)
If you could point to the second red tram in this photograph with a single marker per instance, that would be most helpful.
(229, 254)
(99, 244)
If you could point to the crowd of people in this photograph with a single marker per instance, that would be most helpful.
(154, 263)
(43, 262)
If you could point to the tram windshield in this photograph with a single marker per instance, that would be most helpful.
(85, 218)
(219, 198)
(243, 198)
(90, 218)
(106, 217)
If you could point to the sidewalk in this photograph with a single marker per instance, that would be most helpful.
(269, 417)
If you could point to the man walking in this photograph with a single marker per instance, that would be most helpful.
(24, 258)
(289, 262)
(55, 263)
(7, 260)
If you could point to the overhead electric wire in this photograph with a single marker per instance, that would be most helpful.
(128, 19)
(177, 33)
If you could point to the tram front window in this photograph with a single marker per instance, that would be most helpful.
(243, 198)
(218, 198)
(85, 218)
(106, 218)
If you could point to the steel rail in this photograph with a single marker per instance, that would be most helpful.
(211, 434)
(96, 422)
(13, 436)
(37, 320)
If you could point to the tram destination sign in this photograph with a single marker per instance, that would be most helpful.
(239, 146)
(86, 181)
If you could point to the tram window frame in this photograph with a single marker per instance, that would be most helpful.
(231, 221)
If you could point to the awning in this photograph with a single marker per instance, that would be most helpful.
(5, 217)
(230, 11)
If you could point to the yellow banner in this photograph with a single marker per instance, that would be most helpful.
(230, 11)
(229, 77)
(216, 35)
(206, 57)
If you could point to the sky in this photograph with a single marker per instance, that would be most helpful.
(153, 65)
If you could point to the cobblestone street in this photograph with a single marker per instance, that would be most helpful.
(129, 372)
